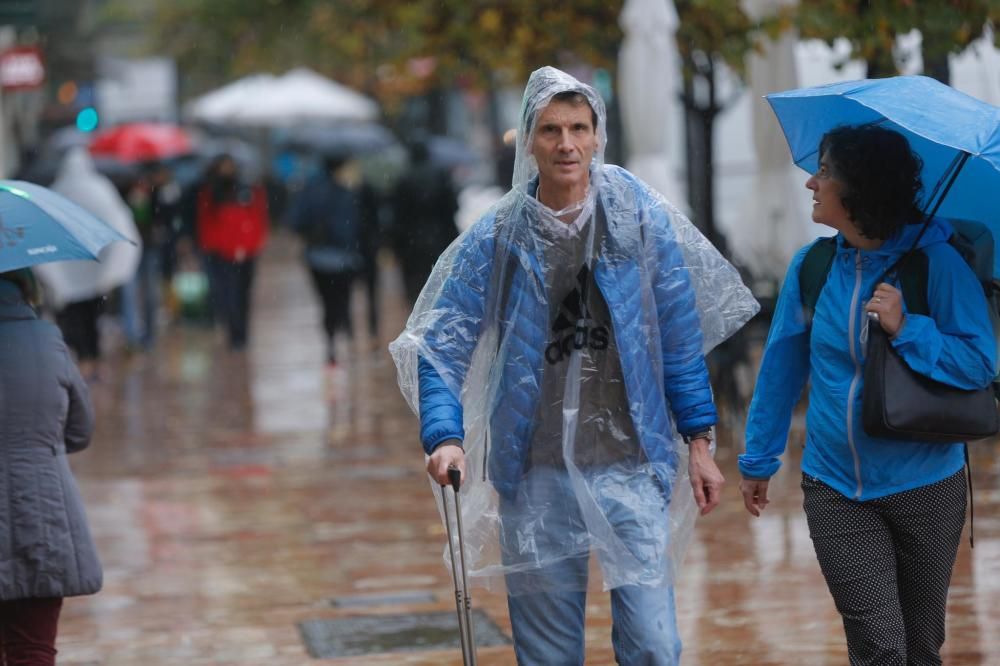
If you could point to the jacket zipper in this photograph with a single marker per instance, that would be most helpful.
(853, 346)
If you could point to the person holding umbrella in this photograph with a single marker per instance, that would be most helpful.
(46, 412)
(885, 516)
(45, 409)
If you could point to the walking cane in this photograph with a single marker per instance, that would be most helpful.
(463, 600)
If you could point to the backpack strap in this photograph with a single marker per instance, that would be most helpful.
(911, 270)
(813, 272)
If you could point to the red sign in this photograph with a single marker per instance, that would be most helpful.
(21, 68)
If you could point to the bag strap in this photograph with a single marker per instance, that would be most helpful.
(912, 272)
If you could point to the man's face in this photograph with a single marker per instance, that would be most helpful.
(563, 145)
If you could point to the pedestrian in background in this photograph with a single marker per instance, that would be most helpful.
(327, 214)
(424, 204)
(77, 290)
(371, 203)
(47, 552)
(232, 228)
(159, 225)
(135, 192)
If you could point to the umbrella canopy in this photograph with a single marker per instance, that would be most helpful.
(939, 122)
(341, 140)
(223, 104)
(39, 226)
(42, 171)
(300, 96)
(142, 142)
(246, 155)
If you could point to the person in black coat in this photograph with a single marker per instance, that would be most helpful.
(328, 217)
(423, 220)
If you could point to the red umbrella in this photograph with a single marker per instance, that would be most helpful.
(142, 142)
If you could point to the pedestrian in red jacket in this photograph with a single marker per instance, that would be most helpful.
(232, 228)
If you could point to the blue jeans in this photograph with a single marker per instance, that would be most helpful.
(141, 297)
(540, 530)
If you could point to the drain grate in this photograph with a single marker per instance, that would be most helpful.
(375, 634)
(384, 599)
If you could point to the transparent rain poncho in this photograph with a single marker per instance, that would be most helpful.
(558, 331)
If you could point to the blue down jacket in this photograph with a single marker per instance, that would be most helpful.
(639, 241)
(954, 346)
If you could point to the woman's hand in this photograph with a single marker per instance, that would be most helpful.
(887, 303)
(754, 495)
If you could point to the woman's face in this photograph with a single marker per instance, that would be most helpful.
(828, 206)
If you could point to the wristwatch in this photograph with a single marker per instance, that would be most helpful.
(704, 434)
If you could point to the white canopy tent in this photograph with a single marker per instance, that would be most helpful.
(298, 96)
(223, 104)
(302, 95)
(648, 75)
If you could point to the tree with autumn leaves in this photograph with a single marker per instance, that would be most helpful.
(388, 48)
(872, 26)
(393, 49)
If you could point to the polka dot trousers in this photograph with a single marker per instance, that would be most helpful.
(888, 565)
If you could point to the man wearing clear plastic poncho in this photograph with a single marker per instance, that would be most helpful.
(553, 356)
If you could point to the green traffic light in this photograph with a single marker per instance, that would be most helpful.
(87, 119)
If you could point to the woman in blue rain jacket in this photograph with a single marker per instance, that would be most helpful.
(885, 516)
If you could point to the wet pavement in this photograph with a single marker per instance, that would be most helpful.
(235, 496)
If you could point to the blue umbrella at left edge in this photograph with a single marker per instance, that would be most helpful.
(38, 226)
(956, 136)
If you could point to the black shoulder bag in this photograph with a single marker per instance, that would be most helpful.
(899, 403)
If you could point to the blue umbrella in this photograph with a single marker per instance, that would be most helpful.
(38, 226)
(956, 136)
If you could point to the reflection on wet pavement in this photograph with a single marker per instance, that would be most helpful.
(235, 496)
(379, 634)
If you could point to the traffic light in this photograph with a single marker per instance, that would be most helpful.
(87, 119)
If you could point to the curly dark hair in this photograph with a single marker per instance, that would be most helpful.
(880, 175)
